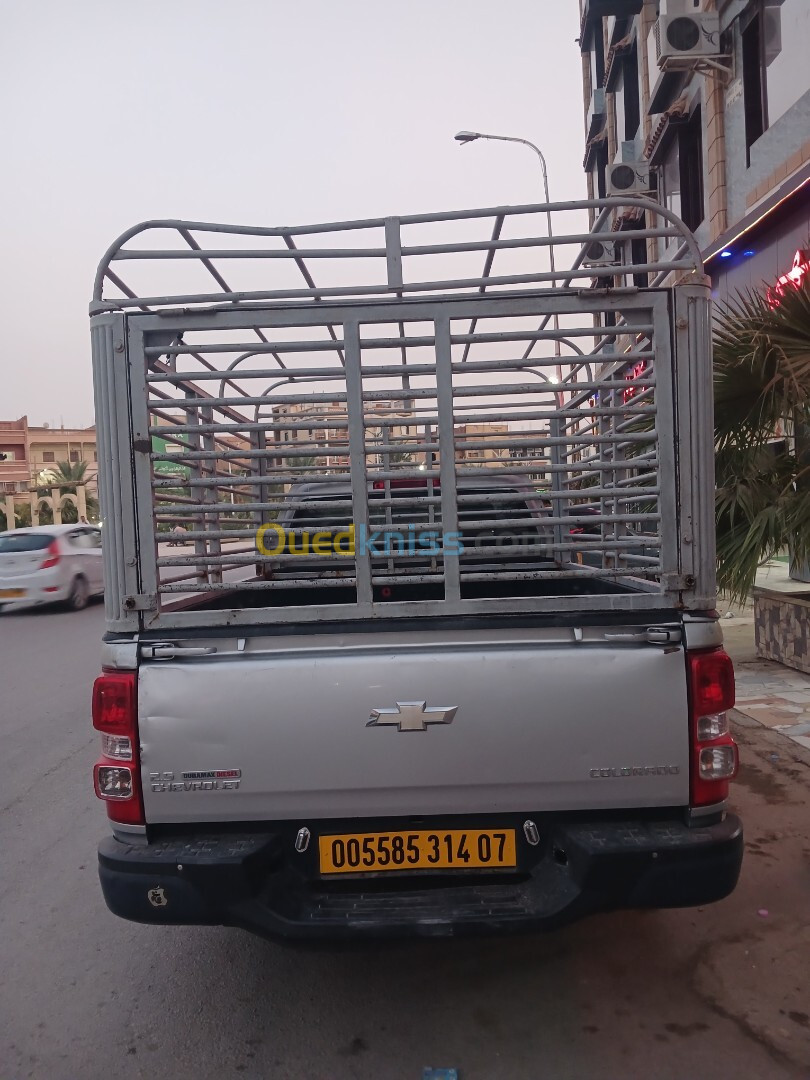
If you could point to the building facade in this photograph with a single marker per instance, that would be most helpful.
(28, 454)
(709, 101)
(320, 431)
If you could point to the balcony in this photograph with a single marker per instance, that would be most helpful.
(14, 472)
(593, 11)
(619, 9)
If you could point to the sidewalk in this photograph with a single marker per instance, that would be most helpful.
(776, 696)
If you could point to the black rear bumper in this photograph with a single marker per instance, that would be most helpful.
(258, 882)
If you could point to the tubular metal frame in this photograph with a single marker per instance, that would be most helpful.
(415, 396)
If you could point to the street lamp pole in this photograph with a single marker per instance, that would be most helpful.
(470, 136)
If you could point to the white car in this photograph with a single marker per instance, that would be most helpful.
(49, 564)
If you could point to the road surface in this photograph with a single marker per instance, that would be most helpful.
(711, 993)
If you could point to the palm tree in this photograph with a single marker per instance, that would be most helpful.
(761, 387)
(66, 476)
(67, 472)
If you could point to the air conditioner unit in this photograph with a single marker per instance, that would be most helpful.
(629, 178)
(601, 253)
(682, 38)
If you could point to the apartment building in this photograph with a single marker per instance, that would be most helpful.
(480, 444)
(15, 474)
(28, 451)
(708, 103)
(322, 429)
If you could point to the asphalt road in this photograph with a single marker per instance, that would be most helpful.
(714, 992)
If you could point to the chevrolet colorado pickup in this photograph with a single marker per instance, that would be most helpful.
(439, 654)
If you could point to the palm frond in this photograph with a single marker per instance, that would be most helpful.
(761, 383)
(761, 365)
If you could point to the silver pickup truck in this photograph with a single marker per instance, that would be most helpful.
(438, 651)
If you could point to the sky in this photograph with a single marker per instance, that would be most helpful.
(261, 112)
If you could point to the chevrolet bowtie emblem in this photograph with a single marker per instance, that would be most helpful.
(412, 716)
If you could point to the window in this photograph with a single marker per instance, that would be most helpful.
(85, 538)
(600, 171)
(74, 455)
(8, 455)
(21, 541)
(682, 171)
(638, 255)
(632, 114)
(753, 83)
(691, 155)
(774, 56)
(48, 456)
(626, 98)
(598, 57)
(671, 177)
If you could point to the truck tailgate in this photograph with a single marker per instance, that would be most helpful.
(539, 724)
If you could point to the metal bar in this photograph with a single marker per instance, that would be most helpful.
(391, 343)
(412, 579)
(535, 547)
(302, 266)
(359, 224)
(572, 519)
(447, 452)
(668, 425)
(545, 277)
(634, 601)
(392, 252)
(399, 395)
(140, 571)
(359, 479)
(382, 421)
(386, 371)
(496, 232)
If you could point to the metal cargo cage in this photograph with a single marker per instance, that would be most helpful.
(405, 416)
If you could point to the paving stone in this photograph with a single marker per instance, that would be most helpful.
(770, 716)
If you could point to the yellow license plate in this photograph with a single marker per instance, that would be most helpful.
(11, 594)
(422, 849)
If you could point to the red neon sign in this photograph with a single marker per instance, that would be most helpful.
(635, 372)
(793, 279)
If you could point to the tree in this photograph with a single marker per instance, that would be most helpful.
(22, 513)
(761, 387)
(66, 476)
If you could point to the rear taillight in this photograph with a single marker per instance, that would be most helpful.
(52, 556)
(117, 774)
(713, 751)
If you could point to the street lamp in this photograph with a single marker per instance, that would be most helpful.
(464, 137)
